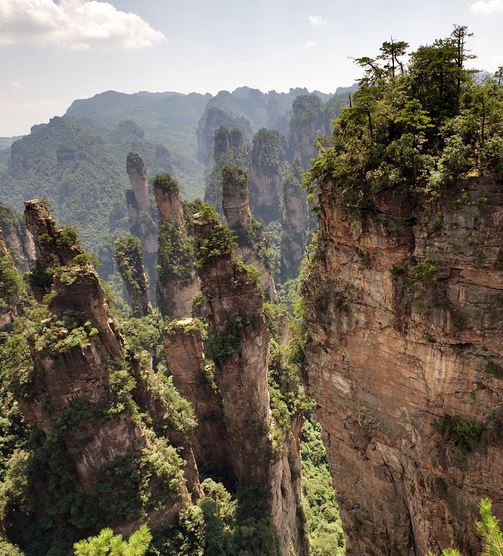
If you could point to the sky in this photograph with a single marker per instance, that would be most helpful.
(55, 51)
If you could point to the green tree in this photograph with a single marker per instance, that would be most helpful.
(391, 53)
(489, 529)
(108, 544)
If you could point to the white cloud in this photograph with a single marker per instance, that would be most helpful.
(15, 84)
(310, 44)
(487, 6)
(80, 24)
(317, 20)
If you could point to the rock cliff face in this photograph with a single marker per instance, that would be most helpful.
(229, 148)
(238, 343)
(405, 320)
(194, 378)
(295, 226)
(141, 222)
(177, 284)
(250, 239)
(308, 121)
(86, 408)
(138, 179)
(213, 119)
(129, 260)
(16, 237)
(268, 167)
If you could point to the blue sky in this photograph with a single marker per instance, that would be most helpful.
(55, 51)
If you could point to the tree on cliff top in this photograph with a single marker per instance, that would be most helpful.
(416, 132)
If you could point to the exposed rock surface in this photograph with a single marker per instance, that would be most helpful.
(141, 221)
(229, 148)
(268, 168)
(194, 378)
(405, 359)
(250, 239)
(295, 226)
(16, 237)
(308, 121)
(73, 397)
(138, 179)
(213, 119)
(238, 343)
(129, 260)
(177, 284)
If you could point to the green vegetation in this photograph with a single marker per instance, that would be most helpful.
(219, 240)
(493, 369)
(129, 259)
(167, 183)
(108, 544)
(226, 344)
(488, 529)
(414, 130)
(288, 396)
(324, 525)
(176, 253)
(463, 433)
(10, 283)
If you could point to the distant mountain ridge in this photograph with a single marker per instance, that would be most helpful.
(77, 161)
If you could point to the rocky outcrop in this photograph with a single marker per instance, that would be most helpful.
(238, 343)
(194, 378)
(177, 284)
(213, 119)
(295, 226)
(229, 148)
(129, 260)
(307, 122)
(268, 169)
(141, 221)
(252, 245)
(81, 397)
(16, 237)
(404, 314)
(138, 179)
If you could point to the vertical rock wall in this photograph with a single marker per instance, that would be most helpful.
(405, 360)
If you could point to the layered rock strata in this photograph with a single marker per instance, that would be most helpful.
(141, 223)
(252, 245)
(89, 419)
(194, 378)
(177, 281)
(405, 321)
(129, 260)
(238, 343)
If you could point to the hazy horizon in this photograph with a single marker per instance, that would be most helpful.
(54, 53)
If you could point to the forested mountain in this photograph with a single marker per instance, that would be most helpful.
(78, 162)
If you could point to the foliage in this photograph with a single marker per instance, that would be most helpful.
(167, 183)
(463, 433)
(324, 525)
(176, 253)
(489, 529)
(226, 344)
(129, 258)
(10, 283)
(415, 133)
(218, 242)
(493, 369)
(108, 544)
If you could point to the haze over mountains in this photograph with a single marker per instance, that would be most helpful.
(77, 161)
